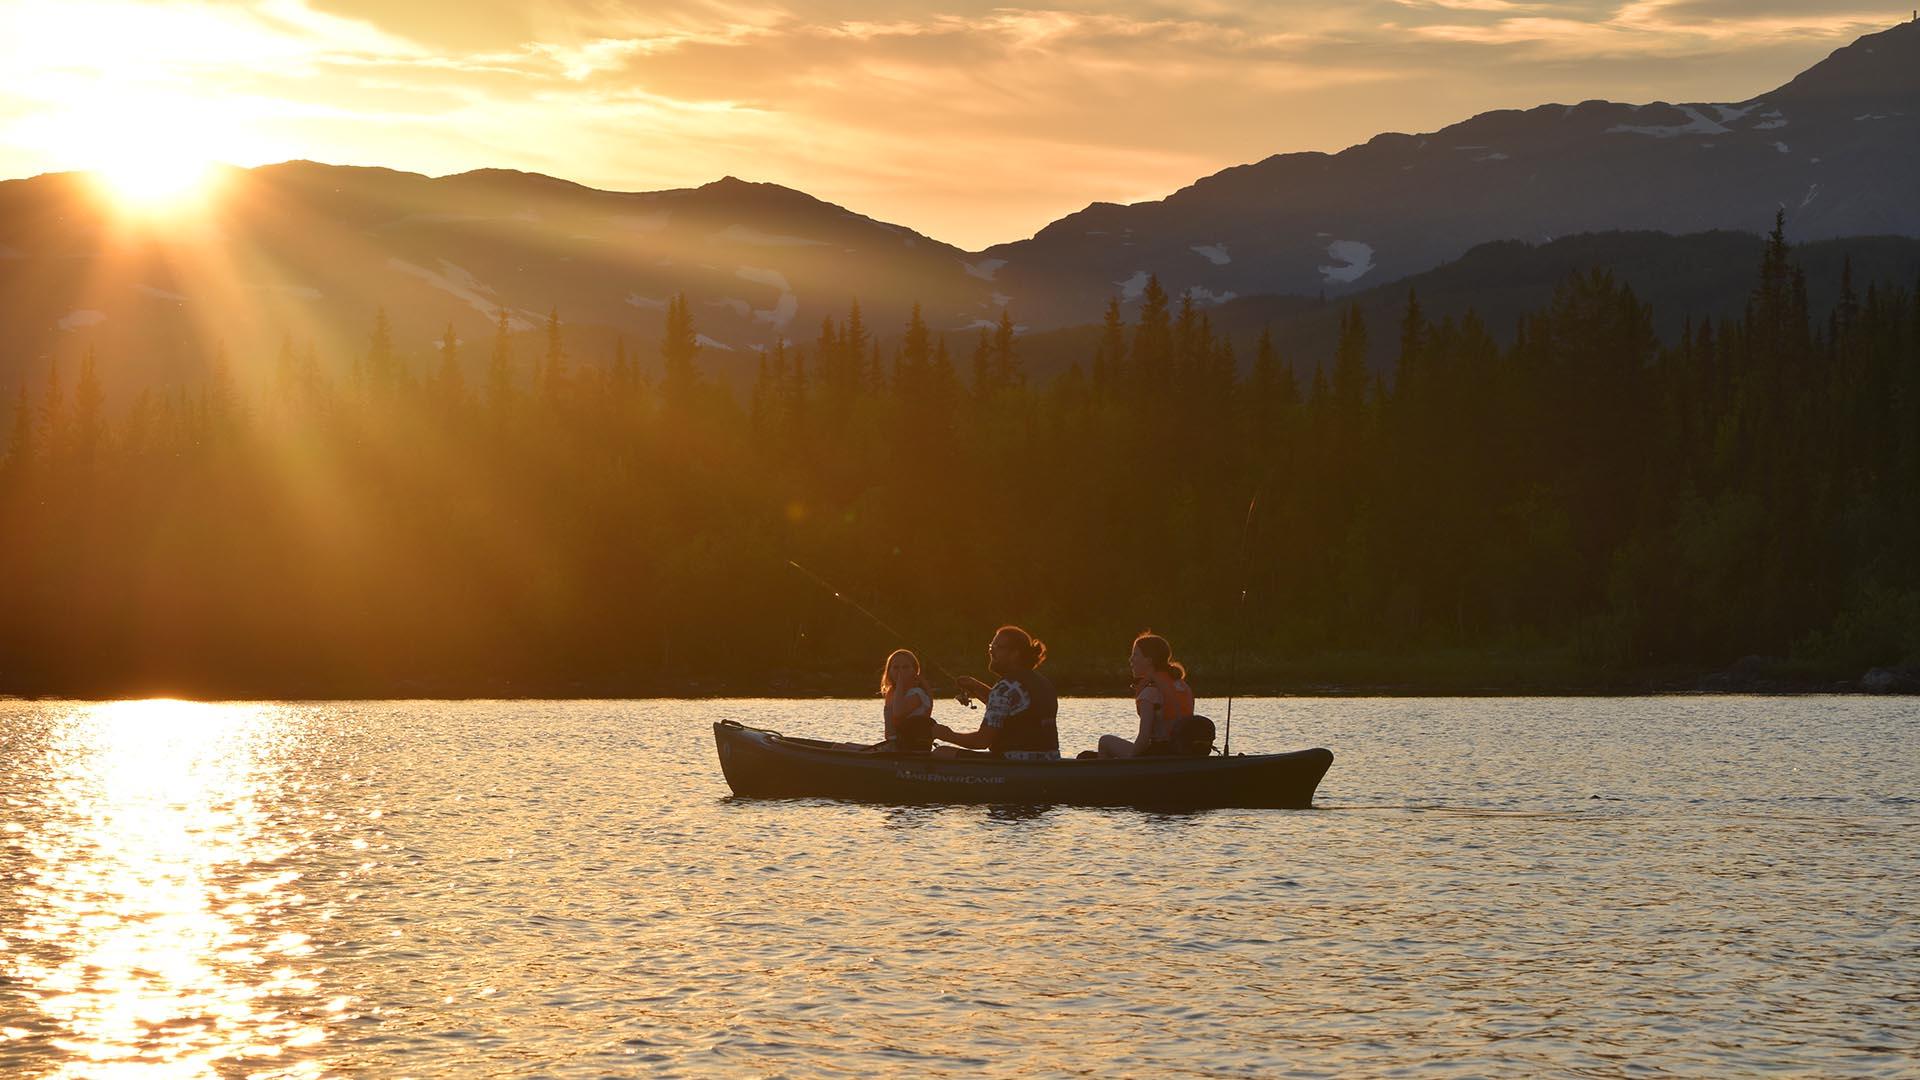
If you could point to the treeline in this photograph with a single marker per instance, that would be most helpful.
(1588, 506)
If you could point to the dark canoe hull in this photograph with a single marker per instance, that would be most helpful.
(768, 765)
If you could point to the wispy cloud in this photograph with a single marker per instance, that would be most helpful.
(970, 119)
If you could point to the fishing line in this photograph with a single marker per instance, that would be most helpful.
(876, 620)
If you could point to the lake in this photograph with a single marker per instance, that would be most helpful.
(1697, 886)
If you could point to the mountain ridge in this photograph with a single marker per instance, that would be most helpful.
(309, 251)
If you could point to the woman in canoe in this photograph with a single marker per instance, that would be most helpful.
(909, 703)
(1021, 707)
(1162, 699)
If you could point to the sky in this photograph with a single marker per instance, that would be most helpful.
(975, 123)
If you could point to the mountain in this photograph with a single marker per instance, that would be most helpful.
(307, 253)
(310, 252)
(1683, 279)
(1838, 147)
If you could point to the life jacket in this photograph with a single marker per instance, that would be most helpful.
(912, 732)
(1030, 726)
(1176, 704)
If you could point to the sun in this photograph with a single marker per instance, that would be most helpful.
(148, 154)
(156, 184)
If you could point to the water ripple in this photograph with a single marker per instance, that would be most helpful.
(1669, 886)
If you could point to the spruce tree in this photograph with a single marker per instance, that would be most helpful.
(554, 362)
(1109, 356)
(53, 416)
(500, 366)
(983, 387)
(679, 352)
(1006, 366)
(382, 369)
(450, 385)
(89, 425)
(20, 450)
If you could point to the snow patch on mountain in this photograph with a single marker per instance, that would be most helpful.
(986, 324)
(1208, 296)
(83, 317)
(1771, 120)
(783, 309)
(1783, 148)
(458, 282)
(1730, 113)
(1352, 261)
(984, 269)
(999, 299)
(737, 306)
(706, 342)
(1811, 193)
(646, 303)
(159, 293)
(1213, 253)
(743, 234)
(1135, 286)
(1697, 124)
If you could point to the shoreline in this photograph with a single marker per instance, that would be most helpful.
(1897, 683)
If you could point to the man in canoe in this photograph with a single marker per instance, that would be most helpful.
(1021, 707)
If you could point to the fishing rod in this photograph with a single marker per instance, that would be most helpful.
(875, 619)
(1239, 624)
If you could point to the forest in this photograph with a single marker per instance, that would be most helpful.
(1588, 508)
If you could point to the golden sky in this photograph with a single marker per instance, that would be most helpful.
(973, 122)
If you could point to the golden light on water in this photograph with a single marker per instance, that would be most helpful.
(143, 935)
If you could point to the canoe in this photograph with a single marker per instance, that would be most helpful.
(768, 765)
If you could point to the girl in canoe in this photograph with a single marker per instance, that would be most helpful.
(909, 703)
(1162, 698)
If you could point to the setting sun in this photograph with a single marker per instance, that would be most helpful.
(155, 184)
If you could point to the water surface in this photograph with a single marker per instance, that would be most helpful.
(1513, 887)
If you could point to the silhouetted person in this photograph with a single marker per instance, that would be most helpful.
(1161, 697)
(909, 703)
(1021, 707)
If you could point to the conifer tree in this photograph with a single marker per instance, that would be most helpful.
(1152, 359)
(500, 366)
(1109, 356)
(554, 363)
(450, 385)
(916, 358)
(53, 416)
(1413, 334)
(286, 373)
(983, 367)
(20, 438)
(855, 338)
(1188, 350)
(679, 351)
(760, 404)
(623, 374)
(1006, 373)
(1263, 383)
(382, 368)
(88, 422)
(1350, 369)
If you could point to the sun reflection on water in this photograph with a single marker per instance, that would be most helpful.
(143, 930)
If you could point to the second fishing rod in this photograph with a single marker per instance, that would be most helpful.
(963, 698)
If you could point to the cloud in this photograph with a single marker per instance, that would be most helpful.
(973, 120)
